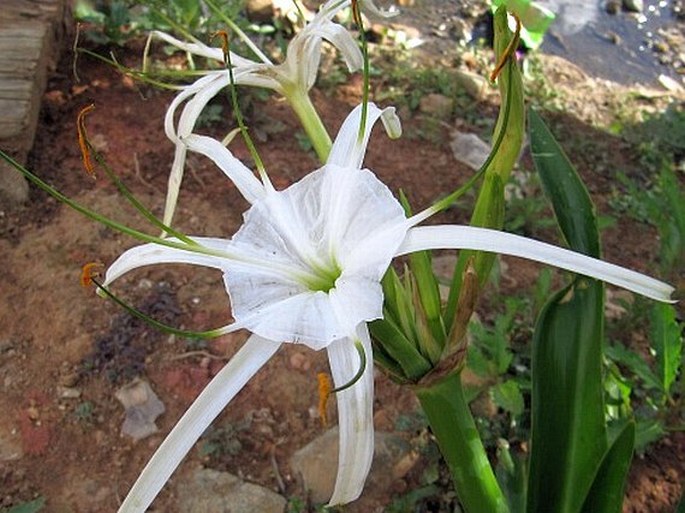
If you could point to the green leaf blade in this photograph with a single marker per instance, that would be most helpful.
(568, 434)
(571, 202)
(606, 494)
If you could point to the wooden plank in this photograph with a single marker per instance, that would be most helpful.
(30, 35)
(11, 89)
(14, 118)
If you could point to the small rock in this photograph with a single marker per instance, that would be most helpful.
(211, 491)
(670, 84)
(68, 393)
(142, 409)
(300, 361)
(462, 31)
(634, 5)
(10, 444)
(69, 378)
(613, 6)
(317, 463)
(260, 10)
(469, 149)
(475, 85)
(437, 105)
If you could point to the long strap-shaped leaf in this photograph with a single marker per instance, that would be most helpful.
(569, 439)
(568, 433)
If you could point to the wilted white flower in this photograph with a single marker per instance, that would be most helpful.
(293, 78)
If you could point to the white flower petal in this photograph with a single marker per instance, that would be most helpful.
(303, 318)
(200, 49)
(347, 199)
(213, 399)
(301, 61)
(355, 416)
(341, 38)
(329, 9)
(319, 224)
(174, 182)
(186, 124)
(193, 109)
(246, 182)
(148, 254)
(356, 297)
(186, 92)
(482, 239)
(348, 150)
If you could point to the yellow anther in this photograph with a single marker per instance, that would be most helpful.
(224, 42)
(90, 271)
(324, 394)
(356, 14)
(83, 139)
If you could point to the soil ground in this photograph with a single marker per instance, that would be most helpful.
(59, 340)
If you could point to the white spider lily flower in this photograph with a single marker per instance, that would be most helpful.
(292, 78)
(305, 267)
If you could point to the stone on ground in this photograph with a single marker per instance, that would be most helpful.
(142, 408)
(212, 491)
(317, 463)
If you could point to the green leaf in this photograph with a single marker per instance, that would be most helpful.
(634, 363)
(511, 474)
(570, 199)
(606, 494)
(400, 349)
(648, 431)
(568, 438)
(667, 342)
(507, 395)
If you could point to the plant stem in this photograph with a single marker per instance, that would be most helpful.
(452, 423)
(311, 122)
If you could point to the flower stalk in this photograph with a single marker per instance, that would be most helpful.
(449, 416)
(316, 131)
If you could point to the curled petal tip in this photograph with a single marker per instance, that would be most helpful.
(371, 7)
(392, 123)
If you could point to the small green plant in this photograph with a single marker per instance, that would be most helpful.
(117, 21)
(299, 505)
(296, 505)
(303, 141)
(527, 211)
(26, 507)
(190, 16)
(646, 391)
(109, 22)
(83, 412)
(661, 204)
(223, 441)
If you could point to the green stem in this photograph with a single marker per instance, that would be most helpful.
(311, 122)
(450, 419)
